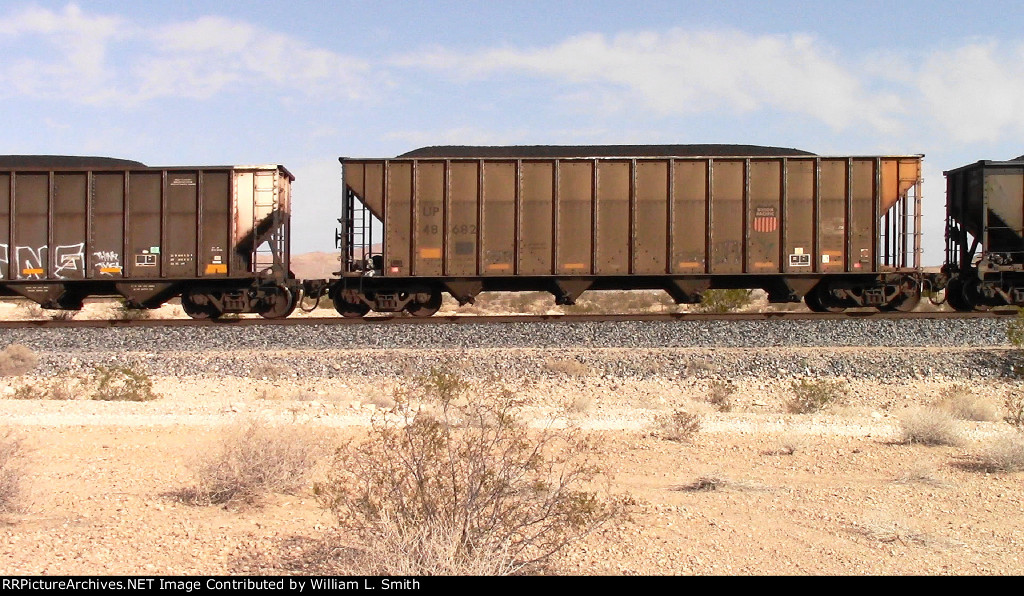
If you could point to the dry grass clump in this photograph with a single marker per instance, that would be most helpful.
(568, 366)
(254, 459)
(61, 388)
(17, 359)
(1014, 405)
(814, 395)
(1004, 454)
(623, 301)
(720, 395)
(929, 426)
(12, 472)
(716, 482)
(582, 404)
(920, 473)
(885, 529)
(466, 489)
(963, 404)
(679, 426)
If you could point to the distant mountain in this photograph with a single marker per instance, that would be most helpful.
(320, 265)
(315, 265)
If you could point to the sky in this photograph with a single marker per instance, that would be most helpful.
(301, 83)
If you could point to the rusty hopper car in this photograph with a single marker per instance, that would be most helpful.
(218, 237)
(838, 232)
(985, 235)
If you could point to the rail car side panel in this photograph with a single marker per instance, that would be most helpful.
(689, 221)
(497, 225)
(398, 219)
(462, 228)
(727, 193)
(763, 216)
(613, 217)
(536, 218)
(800, 248)
(106, 247)
(650, 217)
(574, 195)
(5, 227)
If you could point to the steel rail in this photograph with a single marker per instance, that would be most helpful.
(504, 319)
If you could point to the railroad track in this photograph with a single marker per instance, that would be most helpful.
(495, 319)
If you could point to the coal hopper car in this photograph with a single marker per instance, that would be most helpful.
(985, 235)
(836, 232)
(218, 237)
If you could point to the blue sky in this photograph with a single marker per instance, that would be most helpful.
(301, 83)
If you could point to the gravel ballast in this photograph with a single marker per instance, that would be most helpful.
(625, 334)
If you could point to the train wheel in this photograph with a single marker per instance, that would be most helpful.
(425, 309)
(197, 311)
(350, 310)
(974, 298)
(906, 301)
(812, 302)
(955, 296)
(283, 304)
(828, 302)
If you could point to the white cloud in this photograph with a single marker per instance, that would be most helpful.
(976, 92)
(68, 54)
(683, 72)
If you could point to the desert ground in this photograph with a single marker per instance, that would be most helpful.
(755, 490)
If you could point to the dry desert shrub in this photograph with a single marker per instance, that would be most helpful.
(929, 426)
(716, 482)
(61, 388)
(885, 529)
(16, 360)
(467, 489)
(12, 472)
(962, 403)
(720, 395)
(582, 404)
(253, 459)
(680, 426)
(1014, 405)
(1004, 454)
(624, 301)
(814, 395)
(568, 366)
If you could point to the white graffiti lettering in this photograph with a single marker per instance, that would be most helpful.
(69, 257)
(108, 262)
(29, 262)
(4, 260)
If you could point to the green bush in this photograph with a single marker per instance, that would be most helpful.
(814, 395)
(721, 301)
(122, 383)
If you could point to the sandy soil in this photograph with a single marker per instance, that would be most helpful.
(833, 493)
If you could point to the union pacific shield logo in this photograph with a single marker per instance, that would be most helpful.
(765, 220)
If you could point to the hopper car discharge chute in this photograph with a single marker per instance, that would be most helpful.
(836, 232)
